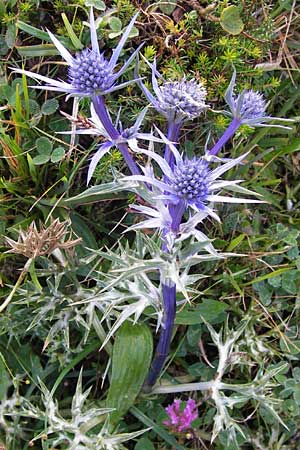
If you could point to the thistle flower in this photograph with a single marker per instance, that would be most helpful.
(178, 101)
(181, 419)
(128, 136)
(191, 182)
(90, 73)
(249, 107)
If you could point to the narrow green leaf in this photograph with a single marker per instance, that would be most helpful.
(268, 275)
(18, 105)
(76, 360)
(2, 8)
(235, 284)
(235, 242)
(42, 35)
(37, 50)
(26, 96)
(32, 168)
(82, 230)
(74, 39)
(10, 35)
(96, 193)
(4, 378)
(132, 353)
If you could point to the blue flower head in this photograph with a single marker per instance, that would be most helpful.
(178, 101)
(249, 107)
(191, 180)
(90, 73)
(128, 136)
(191, 183)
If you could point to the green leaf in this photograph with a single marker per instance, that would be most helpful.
(273, 274)
(264, 291)
(3, 46)
(32, 169)
(235, 242)
(44, 146)
(291, 346)
(275, 282)
(113, 34)
(132, 353)
(2, 8)
(74, 39)
(50, 106)
(289, 281)
(82, 230)
(115, 24)
(96, 193)
(231, 20)
(133, 33)
(296, 394)
(144, 444)
(40, 159)
(4, 378)
(34, 107)
(167, 6)
(209, 310)
(58, 154)
(21, 359)
(42, 35)
(10, 35)
(37, 50)
(98, 4)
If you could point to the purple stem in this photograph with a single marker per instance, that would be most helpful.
(163, 346)
(173, 134)
(113, 133)
(233, 126)
(169, 303)
(177, 212)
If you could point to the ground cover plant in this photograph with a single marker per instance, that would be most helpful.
(150, 265)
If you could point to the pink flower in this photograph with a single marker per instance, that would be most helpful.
(181, 419)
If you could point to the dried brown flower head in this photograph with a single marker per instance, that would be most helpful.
(80, 121)
(34, 242)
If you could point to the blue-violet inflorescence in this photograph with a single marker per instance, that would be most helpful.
(191, 180)
(178, 101)
(181, 100)
(90, 72)
(250, 105)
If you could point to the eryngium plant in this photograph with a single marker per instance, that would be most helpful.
(175, 193)
(85, 428)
